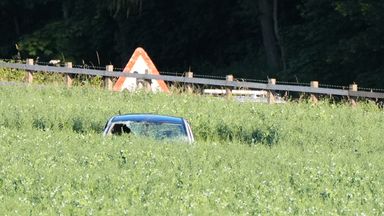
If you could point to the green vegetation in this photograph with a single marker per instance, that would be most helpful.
(333, 41)
(249, 158)
(7, 74)
(15, 75)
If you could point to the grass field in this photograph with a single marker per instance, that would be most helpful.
(249, 158)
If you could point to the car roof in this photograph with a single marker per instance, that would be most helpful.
(147, 118)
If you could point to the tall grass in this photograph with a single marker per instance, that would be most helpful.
(249, 158)
(52, 78)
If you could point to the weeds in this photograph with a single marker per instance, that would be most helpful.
(248, 159)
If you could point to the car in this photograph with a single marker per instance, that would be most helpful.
(159, 127)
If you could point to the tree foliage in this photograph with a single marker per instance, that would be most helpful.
(333, 41)
(338, 41)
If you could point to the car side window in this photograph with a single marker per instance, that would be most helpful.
(119, 129)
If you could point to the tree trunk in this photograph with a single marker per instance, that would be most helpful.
(269, 35)
(65, 9)
(277, 34)
(17, 25)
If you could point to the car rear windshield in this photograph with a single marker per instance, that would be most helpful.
(158, 130)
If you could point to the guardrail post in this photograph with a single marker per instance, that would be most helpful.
(352, 88)
(108, 80)
(28, 74)
(68, 77)
(147, 82)
(189, 74)
(314, 84)
(270, 96)
(228, 91)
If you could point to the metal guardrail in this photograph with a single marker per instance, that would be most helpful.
(203, 81)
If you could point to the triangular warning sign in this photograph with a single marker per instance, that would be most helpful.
(139, 63)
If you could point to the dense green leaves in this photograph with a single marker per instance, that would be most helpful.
(338, 41)
(334, 42)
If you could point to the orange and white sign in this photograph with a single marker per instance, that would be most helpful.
(139, 63)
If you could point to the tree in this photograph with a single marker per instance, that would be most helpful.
(269, 26)
(337, 42)
(86, 32)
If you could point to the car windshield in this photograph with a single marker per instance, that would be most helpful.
(157, 130)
